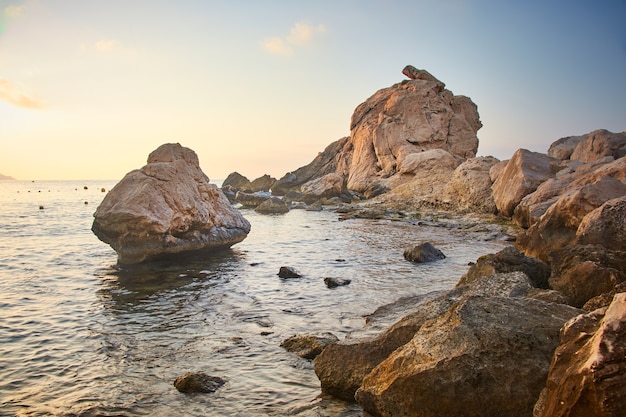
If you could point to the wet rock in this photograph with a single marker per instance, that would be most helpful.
(336, 282)
(588, 372)
(198, 382)
(460, 363)
(288, 272)
(422, 253)
(582, 272)
(308, 346)
(273, 205)
(167, 207)
(509, 259)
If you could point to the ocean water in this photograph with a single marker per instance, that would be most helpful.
(81, 337)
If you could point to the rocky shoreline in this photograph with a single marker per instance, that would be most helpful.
(536, 329)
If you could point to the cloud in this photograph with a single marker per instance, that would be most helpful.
(301, 34)
(14, 95)
(105, 45)
(13, 12)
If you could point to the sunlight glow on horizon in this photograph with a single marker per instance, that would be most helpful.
(87, 92)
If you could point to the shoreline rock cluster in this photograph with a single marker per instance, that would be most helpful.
(536, 329)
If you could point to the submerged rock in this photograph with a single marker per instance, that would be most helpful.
(167, 207)
(198, 382)
(308, 346)
(422, 253)
(288, 272)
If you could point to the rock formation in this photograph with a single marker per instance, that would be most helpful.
(167, 207)
(394, 134)
(588, 373)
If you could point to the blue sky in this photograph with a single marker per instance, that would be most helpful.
(88, 89)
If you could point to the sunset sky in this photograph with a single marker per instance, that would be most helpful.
(89, 88)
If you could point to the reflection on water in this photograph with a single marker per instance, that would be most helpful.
(79, 336)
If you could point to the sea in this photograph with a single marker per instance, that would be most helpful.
(81, 336)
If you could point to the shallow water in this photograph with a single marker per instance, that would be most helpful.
(80, 337)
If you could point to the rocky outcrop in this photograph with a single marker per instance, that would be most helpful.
(558, 226)
(394, 135)
(167, 207)
(237, 182)
(460, 364)
(342, 367)
(588, 372)
(333, 160)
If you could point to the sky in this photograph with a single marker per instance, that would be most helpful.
(89, 88)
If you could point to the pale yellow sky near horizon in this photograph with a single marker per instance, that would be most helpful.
(89, 89)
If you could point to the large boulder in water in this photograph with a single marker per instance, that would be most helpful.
(167, 207)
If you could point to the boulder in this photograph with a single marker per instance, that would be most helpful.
(327, 186)
(263, 183)
(509, 259)
(288, 272)
(308, 346)
(237, 182)
(422, 253)
(587, 376)
(273, 205)
(568, 179)
(460, 364)
(251, 200)
(524, 172)
(469, 189)
(408, 118)
(582, 272)
(558, 226)
(167, 207)
(198, 382)
(605, 299)
(563, 148)
(333, 282)
(605, 225)
(599, 144)
(411, 126)
(341, 367)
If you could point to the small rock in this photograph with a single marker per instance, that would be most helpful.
(198, 382)
(288, 272)
(424, 252)
(273, 205)
(336, 282)
(308, 346)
